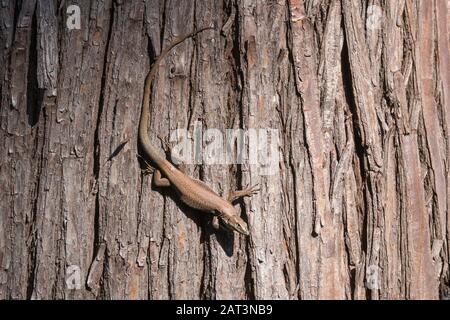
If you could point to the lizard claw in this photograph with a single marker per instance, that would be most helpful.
(247, 192)
(164, 142)
(149, 168)
(253, 189)
(168, 148)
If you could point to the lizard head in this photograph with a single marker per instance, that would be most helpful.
(231, 220)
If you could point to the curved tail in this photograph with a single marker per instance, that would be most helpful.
(150, 150)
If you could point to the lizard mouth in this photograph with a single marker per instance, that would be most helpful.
(237, 229)
(245, 232)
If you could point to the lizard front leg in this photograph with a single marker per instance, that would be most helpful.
(247, 192)
(233, 196)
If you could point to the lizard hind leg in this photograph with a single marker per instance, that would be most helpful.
(159, 181)
(173, 158)
(148, 167)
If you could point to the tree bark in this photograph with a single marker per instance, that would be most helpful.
(359, 92)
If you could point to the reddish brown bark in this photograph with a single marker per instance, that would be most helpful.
(359, 92)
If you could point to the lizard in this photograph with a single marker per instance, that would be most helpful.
(194, 193)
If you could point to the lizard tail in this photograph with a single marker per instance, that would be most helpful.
(149, 149)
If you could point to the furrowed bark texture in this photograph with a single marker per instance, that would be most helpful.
(357, 208)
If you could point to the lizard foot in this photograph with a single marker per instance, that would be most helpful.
(167, 146)
(149, 168)
(247, 192)
(250, 191)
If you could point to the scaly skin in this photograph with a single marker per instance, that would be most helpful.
(192, 192)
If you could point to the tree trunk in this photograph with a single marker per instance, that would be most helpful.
(357, 208)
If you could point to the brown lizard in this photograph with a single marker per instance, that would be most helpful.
(194, 193)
